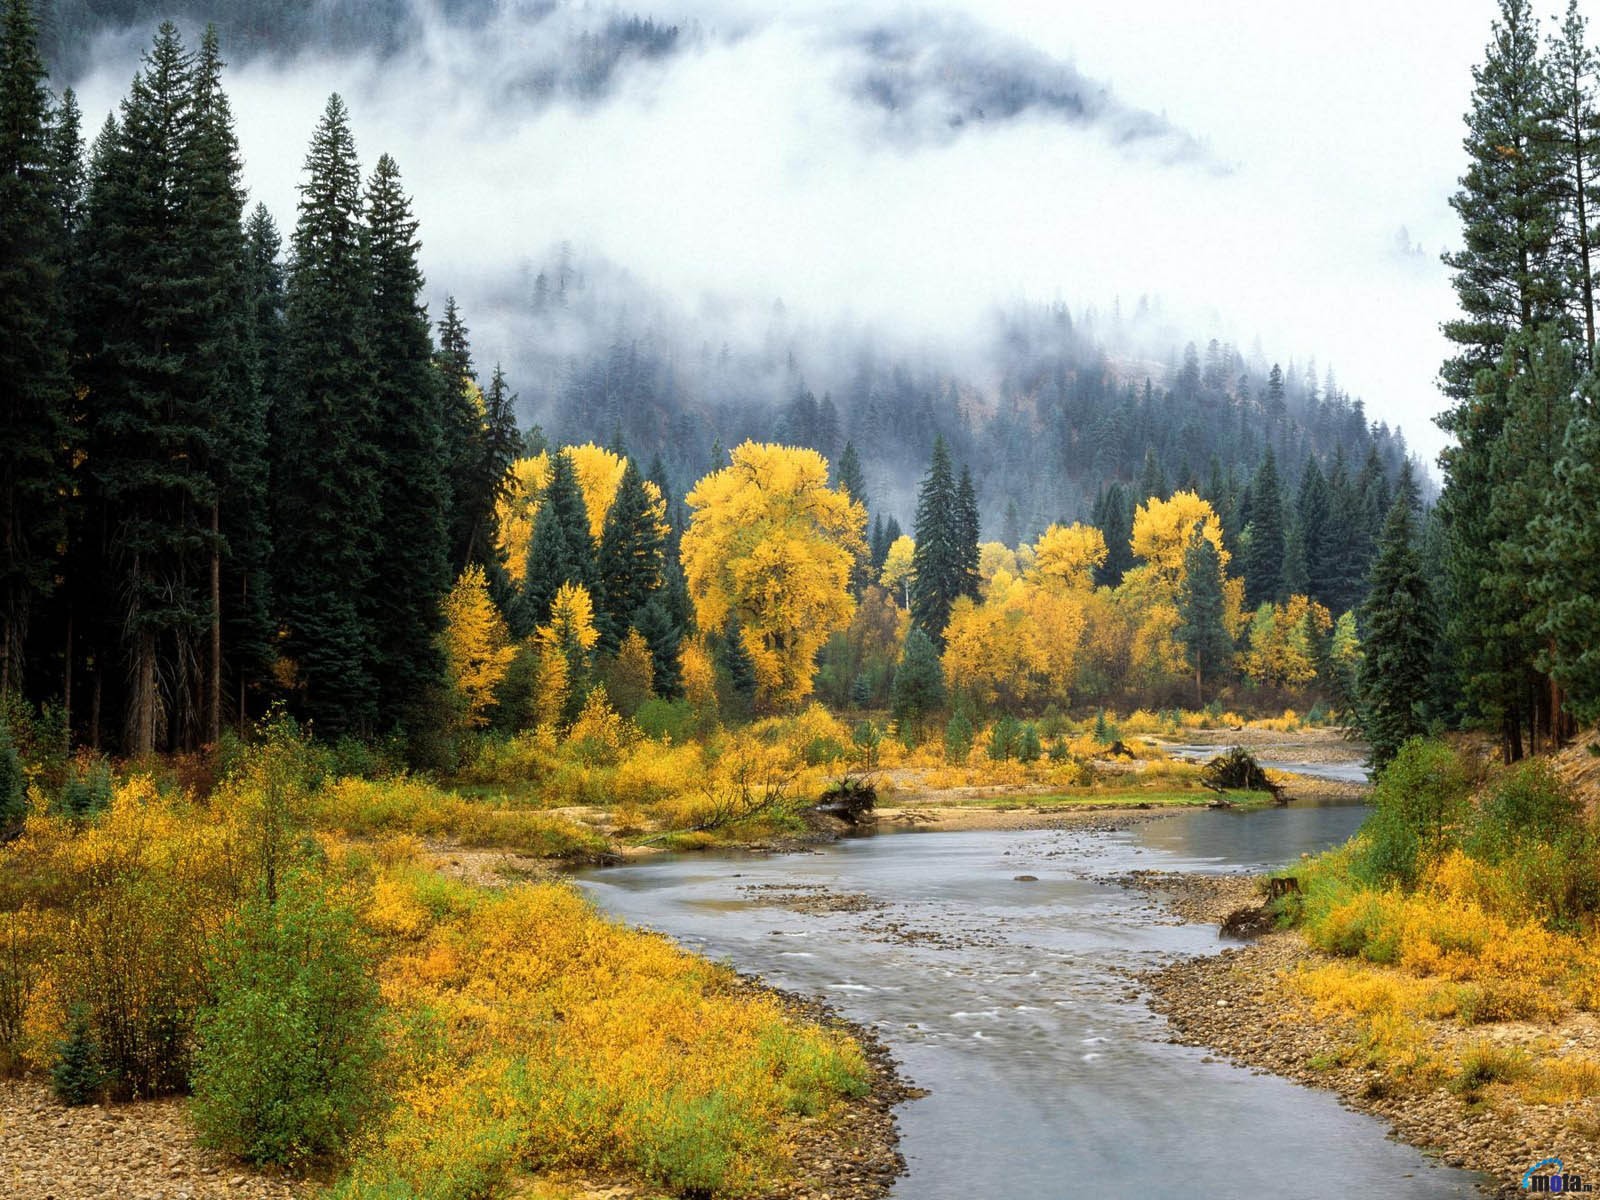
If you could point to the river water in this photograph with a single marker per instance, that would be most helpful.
(1048, 1075)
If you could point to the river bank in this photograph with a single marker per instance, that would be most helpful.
(1243, 1005)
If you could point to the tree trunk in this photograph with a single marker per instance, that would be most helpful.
(144, 696)
(66, 679)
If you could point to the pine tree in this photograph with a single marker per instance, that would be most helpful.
(1400, 627)
(1313, 510)
(560, 552)
(662, 635)
(968, 533)
(411, 567)
(918, 683)
(939, 561)
(327, 478)
(1575, 142)
(160, 348)
(1567, 568)
(34, 388)
(227, 361)
(628, 561)
(1203, 633)
(851, 478)
(1264, 550)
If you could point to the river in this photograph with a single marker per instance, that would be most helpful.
(1010, 1001)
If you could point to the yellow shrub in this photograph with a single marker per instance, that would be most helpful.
(652, 772)
(560, 1040)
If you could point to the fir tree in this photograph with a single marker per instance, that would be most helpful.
(411, 567)
(1313, 510)
(968, 533)
(34, 389)
(327, 482)
(662, 634)
(1400, 629)
(1264, 548)
(851, 478)
(465, 441)
(1113, 516)
(939, 561)
(1203, 632)
(918, 683)
(560, 552)
(628, 562)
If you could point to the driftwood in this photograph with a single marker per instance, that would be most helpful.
(1238, 770)
(851, 799)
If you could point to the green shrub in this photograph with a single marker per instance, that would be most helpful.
(673, 720)
(78, 1077)
(13, 785)
(1419, 805)
(1028, 748)
(866, 738)
(1003, 738)
(285, 1055)
(88, 789)
(958, 738)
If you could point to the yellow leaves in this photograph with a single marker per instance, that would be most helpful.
(477, 646)
(772, 545)
(1163, 530)
(516, 511)
(896, 575)
(1020, 644)
(571, 619)
(599, 473)
(565, 1041)
(1283, 641)
(1070, 554)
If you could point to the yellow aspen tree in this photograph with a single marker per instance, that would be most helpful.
(571, 633)
(598, 472)
(1162, 530)
(896, 575)
(771, 545)
(518, 508)
(1070, 555)
(477, 645)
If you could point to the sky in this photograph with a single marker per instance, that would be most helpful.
(1277, 149)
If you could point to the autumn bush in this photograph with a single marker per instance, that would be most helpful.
(1465, 897)
(530, 1033)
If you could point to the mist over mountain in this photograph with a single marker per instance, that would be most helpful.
(648, 259)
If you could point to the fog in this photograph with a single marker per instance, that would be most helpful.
(1251, 164)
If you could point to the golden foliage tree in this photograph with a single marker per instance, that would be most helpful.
(1070, 554)
(518, 508)
(896, 574)
(1283, 641)
(1163, 529)
(772, 545)
(599, 474)
(1019, 645)
(477, 645)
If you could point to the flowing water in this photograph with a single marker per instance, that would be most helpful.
(1008, 1000)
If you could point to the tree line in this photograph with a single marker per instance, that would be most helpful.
(1506, 567)
(225, 476)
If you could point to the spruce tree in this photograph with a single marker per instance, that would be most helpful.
(1200, 606)
(939, 561)
(465, 441)
(327, 479)
(158, 338)
(851, 478)
(411, 567)
(34, 388)
(1113, 516)
(560, 552)
(1567, 567)
(1313, 511)
(227, 362)
(1399, 630)
(1574, 130)
(663, 635)
(628, 561)
(968, 532)
(1264, 550)
(918, 683)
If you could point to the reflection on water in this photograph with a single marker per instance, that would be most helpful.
(1009, 1000)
